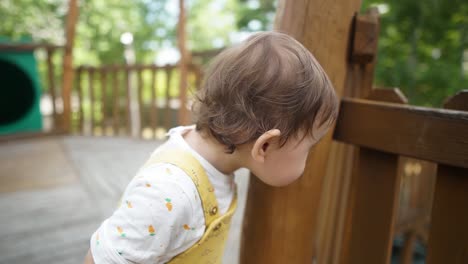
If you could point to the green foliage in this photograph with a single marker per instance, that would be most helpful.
(421, 46)
(421, 43)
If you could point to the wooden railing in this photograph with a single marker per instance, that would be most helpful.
(108, 97)
(382, 132)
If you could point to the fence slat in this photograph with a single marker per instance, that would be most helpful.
(103, 73)
(371, 216)
(153, 114)
(448, 235)
(91, 97)
(51, 79)
(141, 106)
(79, 87)
(127, 89)
(116, 100)
(167, 112)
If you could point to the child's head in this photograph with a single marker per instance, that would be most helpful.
(267, 85)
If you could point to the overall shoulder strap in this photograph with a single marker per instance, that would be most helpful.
(192, 167)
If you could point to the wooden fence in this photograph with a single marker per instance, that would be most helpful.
(103, 104)
(383, 132)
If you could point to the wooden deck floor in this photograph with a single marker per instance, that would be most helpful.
(54, 192)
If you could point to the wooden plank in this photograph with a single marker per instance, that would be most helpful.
(448, 235)
(153, 108)
(67, 80)
(141, 106)
(79, 87)
(30, 135)
(361, 181)
(373, 204)
(103, 73)
(51, 80)
(115, 100)
(167, 111)
(128, 92)
(91, 97)
(280, 224)
(431, 134)
(408, 248)
(458, 101)
(359, 84)
(27, 46)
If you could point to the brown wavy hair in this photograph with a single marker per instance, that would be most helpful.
(268, 81)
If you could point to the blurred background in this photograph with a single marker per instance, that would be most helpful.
(136, 65)
(422, 45)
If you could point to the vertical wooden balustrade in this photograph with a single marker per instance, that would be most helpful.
(107, 90)
(384, 131)
(115, 100)
(79, 88)
(103, 86)
(373, 199)
(153, 107)
(141, 106)
(91, 97)
(167, 98)
(448, 237)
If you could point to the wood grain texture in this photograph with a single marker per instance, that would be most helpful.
(67, 81)
(372, 209)
(431, 134)
(53, 224)
(448, 235)
(281, 223)
(372, 200)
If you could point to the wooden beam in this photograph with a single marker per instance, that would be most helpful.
(27, 46)
(67, 83)
(280, 224)
(423, 133)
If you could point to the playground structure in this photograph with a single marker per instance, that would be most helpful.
(353, 198)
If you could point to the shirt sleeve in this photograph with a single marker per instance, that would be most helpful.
(156, 219)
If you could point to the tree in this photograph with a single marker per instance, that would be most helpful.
(421, 48)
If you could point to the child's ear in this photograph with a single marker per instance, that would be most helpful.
(263, 143)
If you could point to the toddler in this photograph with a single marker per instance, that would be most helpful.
(264, 103)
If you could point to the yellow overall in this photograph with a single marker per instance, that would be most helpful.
(210, 248)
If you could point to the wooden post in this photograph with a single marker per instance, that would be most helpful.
(68, 62)
(448, 235)
(280, 224)
(184, 59)
(359, 78)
